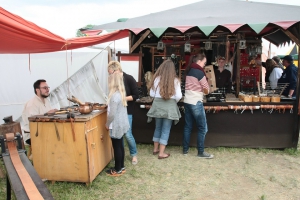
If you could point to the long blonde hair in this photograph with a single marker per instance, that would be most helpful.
(114, 65)
(116, 83)
(166, 72)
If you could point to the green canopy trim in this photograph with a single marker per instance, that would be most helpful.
(207, 29)
(258, 27)
(158, 31)
(122, 19)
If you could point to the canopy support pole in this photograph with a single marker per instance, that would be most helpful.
(238, 66)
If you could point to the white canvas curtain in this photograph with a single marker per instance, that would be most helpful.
(84, 85)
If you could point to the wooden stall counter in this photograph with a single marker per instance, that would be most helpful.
(230, 124)
(67, 150)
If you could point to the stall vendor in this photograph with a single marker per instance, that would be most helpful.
(38, 105)
(223, 76)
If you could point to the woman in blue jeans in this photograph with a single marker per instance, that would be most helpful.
(166, 90)
(196, 86)
(132, 94)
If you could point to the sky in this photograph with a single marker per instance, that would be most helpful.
(65, 17)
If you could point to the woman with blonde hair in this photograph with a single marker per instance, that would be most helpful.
(166, 90)
(132, 93)
(117, 121)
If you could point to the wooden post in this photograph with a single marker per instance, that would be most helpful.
(296, 39)
(152, 52)
(238, 66)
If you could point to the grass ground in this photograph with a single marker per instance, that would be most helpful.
(234, 173)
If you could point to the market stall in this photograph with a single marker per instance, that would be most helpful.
(233, 29)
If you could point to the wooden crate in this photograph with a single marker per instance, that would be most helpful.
(67, 160)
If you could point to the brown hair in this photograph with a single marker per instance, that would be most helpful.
(193, 59)
(167, 74)
(37, 84)
(270, 64)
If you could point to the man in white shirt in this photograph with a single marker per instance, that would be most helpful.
(38, 105)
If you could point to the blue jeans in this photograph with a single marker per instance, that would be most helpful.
(162, 130)
(130, 139)
(197, 113)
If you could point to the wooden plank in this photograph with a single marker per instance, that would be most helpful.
(15, 181)
(292, 36)
(98, 145)
(140, 40)
(78, 117)
(130, 35)
(210, 74)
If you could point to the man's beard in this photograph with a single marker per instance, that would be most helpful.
(45, 96)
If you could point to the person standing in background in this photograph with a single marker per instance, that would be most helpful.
(270, 64)
(289, 76)
(278, 61)
(117, 121)
(132, 93)
(196, 86)
(223, 76)
(275, 73)
(166, 90)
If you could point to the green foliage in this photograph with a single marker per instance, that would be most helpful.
(262, 197)
(81, 34)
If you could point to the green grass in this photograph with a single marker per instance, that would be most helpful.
(234, 173)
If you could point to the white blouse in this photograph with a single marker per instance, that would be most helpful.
(155, 93)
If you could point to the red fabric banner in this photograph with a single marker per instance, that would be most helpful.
(20, 36)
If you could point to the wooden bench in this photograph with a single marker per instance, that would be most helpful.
(14, 182)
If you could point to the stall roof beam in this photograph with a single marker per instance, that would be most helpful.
(140, 41)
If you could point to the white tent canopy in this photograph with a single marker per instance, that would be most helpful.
(20, 71)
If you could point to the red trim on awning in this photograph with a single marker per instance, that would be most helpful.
(137, 30)
(232, 27)
(285, 24)
(129, 58)
(182, 29)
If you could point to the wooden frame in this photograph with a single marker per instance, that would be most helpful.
(140, 55)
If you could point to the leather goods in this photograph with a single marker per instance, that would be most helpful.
(28, 184)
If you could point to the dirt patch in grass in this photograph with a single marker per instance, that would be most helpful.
(232, 174)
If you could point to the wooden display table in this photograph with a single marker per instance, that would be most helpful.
(57, 157)
(227, 128)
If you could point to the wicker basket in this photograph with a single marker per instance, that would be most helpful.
(241, 97)
(247, 98)
(265, 99)
(275, 99)
(255, 98)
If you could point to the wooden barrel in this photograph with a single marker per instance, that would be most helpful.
(265, 99)
(255, 98)
(275, 99)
